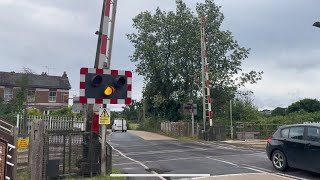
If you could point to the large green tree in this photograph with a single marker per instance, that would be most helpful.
(308, 105)
(131, 112)
(279, 111)
(168, 55)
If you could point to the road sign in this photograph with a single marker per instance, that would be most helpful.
(104, 116)
(187, 109)
(23, 143)
(77, 108)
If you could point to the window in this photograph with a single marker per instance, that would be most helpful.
(8, 94)
(53, 96)
(313, 134)
(31, 96)
(296, 132)
(285, 133)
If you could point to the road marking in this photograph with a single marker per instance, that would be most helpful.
(260, 170)
(156, 175)
(223, 161)
(227, 175)
(167, 151)
(263, 169)
(254, 169)
(290, 176)
(163, 160)
(144, 166)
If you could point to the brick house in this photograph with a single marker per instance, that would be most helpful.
(45, 92)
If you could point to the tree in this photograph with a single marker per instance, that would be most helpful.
(308, 105)
(34, 112)
(19, 103)
(131, 112)
(279, 112)
(64, 111)
(168, 55)
(244, 110)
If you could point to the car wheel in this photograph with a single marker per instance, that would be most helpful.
(279, 160)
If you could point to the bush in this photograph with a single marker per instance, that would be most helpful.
(150, 124)
(292, 118)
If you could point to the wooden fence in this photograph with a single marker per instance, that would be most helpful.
(180, 128)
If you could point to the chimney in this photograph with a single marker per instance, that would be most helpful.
(64, 76)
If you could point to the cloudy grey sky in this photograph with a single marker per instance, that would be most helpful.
(60, 34)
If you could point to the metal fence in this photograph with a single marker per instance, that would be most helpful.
(262, 131)
(312, 123)
(214, 133)
(177, 128)
(50, 122)
(71, 153)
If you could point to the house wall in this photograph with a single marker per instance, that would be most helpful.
(1, 92)
(42, 98)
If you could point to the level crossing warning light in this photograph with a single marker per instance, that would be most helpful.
(102, 86)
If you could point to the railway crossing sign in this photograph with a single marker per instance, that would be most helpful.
(104, 116)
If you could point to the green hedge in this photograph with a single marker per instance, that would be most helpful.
(292, 118)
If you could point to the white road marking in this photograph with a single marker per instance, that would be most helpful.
(227, 175)
(167, 151)
(292, 177)
(260, 170)
(223, 161)
(163, 160)
(254, 169)
(144, 166)
(156, 175)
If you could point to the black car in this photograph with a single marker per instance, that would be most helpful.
(296, 146)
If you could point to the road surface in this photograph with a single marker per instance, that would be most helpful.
(148, 153)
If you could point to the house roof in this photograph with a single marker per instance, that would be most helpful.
(36, 81)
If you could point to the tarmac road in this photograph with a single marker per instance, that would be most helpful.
(149, 153)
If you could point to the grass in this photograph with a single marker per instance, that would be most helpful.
(23, 174)
(133, 126)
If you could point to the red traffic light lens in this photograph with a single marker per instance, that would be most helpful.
(96, 80)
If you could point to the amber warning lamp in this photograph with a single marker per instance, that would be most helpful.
(118, 83)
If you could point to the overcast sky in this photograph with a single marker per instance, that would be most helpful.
(60, 34)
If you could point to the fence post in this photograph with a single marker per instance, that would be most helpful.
(14, 133)
(36, 149)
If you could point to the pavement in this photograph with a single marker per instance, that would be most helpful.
(144, 154)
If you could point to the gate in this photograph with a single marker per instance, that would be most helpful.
(3, 149)
(8, 138)
(70, 152)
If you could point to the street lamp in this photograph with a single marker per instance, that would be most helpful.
(317, 24)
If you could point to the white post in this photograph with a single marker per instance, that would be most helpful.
(231, 127)
(18, 121)
(192, 117)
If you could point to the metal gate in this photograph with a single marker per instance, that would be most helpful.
(8, 138)
(71, 153)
